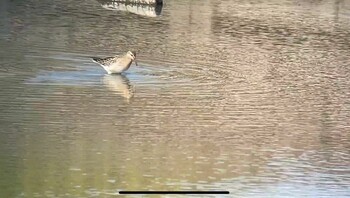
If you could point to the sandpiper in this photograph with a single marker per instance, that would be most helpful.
(117, 64)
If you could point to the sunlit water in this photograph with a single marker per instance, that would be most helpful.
(247, 96)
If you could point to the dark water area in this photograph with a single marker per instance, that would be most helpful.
(252, 97)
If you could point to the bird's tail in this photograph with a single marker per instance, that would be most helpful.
(96, 59)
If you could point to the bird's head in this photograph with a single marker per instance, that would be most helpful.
(132, 55)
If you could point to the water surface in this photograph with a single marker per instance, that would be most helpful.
(251, 97)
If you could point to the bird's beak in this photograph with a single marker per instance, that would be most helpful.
(135, 62)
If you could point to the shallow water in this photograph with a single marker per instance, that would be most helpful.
(251, 97)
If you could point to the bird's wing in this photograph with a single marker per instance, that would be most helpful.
(104, 61)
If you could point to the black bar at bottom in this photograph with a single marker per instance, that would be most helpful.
(174, 192)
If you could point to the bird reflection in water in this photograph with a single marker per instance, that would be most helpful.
(120, 85)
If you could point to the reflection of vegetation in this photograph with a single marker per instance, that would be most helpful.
(10, 183)
(141, 9)
(80, 149)
(80, 169)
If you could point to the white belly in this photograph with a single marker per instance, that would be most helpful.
(117, 68)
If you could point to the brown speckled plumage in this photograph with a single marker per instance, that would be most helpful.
(116, 64)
